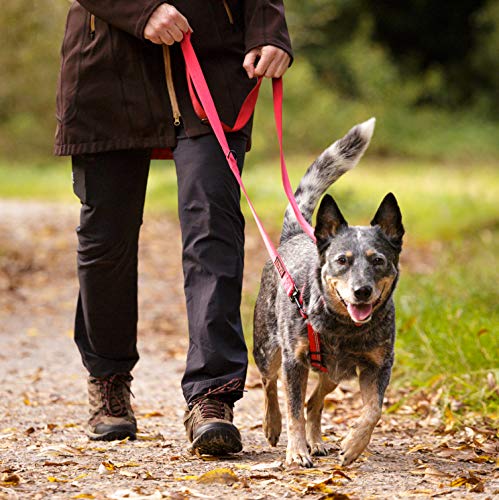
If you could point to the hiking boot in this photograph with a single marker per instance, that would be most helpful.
(111, 414)
(210, 429)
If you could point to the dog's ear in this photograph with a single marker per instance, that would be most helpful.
(330, 221)
(389, 219)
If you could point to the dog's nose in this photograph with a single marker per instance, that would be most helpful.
(363, 293)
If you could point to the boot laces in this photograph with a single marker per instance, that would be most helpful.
(211, 408)
(215, 408)
(114, 394)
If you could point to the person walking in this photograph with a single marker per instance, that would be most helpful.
(123, 99)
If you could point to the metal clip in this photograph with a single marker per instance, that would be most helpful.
(295, 297)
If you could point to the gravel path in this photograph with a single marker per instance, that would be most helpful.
(45, 455)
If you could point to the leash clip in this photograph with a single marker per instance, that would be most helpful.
(295, 297)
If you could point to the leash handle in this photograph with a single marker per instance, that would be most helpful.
(245, 112)
(199, 82)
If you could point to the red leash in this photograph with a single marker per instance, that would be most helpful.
(206, 107)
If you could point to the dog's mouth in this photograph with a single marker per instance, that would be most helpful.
(360, 313)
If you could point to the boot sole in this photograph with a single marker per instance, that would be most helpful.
(218, 440)
(113, 435)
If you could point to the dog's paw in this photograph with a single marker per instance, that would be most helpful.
(353, 445)
(272, 432)
(318, 449)
(301, 458)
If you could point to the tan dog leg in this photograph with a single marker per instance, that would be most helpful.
(315, 405)
(272, 419)
(372, 390)
(295, 383)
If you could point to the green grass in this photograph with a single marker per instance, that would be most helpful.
(447, 299)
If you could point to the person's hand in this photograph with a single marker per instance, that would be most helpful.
(273, 62)
(166, 25)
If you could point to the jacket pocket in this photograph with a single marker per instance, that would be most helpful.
(69, 75)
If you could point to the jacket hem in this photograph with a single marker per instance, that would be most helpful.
(112, 145)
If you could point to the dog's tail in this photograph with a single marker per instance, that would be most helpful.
(337, 159)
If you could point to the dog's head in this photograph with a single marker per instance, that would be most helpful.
(358, 264)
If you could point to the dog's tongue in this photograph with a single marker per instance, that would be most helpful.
(359, 312)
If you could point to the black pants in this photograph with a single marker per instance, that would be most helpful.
(111, 187)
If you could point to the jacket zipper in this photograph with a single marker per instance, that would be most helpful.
(229, 13)
(92, 26)
(169, 84)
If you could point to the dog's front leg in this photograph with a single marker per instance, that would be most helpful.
(315, 405)
(295, 377)
(373, 383)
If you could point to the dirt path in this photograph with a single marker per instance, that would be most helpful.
(43, 451)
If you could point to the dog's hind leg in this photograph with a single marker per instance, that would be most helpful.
(272, 418)
(315, 405)
(295, 376)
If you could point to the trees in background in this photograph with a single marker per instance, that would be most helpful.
(447, 51)
(428, 70)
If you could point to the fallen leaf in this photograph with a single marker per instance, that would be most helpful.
(128, 473)
(106, 468)
(334, 496)
(471, 482)
(150, 437)
(9, 479)
(60, 450)
(84, 495)
(52, 479)
(59, 464)
(276, 465)
(153, 414)
(134, 495)
(222, 475)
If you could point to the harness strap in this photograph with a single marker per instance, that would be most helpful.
(315, 349)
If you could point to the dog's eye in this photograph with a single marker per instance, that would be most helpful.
(342, 260)
(378, 261)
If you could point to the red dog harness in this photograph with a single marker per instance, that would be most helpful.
(205, 107)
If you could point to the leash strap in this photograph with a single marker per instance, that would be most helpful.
(195, 79)
(199, 94)
(277, 94)
(195, 73)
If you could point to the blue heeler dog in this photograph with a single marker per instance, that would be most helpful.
(347, 281)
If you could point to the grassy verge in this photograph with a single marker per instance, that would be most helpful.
(447, 298)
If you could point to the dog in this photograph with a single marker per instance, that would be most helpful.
(347, 280)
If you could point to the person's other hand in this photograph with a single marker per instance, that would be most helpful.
(166, 25)
(273, 62)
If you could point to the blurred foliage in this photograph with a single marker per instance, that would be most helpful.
(30, 37)
(446, 52)
(427, 70)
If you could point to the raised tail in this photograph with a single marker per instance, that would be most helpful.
(337, 159)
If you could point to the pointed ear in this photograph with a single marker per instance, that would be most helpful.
(330, 221)
(389, 219)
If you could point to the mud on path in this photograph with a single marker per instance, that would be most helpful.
(45, 455)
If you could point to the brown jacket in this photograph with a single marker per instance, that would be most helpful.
(112, 92)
